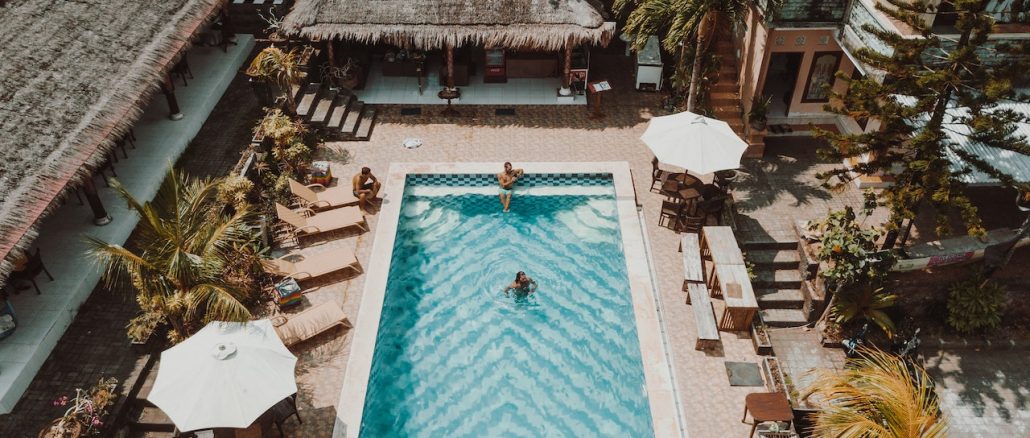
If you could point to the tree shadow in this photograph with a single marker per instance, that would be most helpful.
(787, 170)
(985, 380)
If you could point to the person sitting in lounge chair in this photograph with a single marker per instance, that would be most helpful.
(507, 181)
(366, 187)
(522, 286)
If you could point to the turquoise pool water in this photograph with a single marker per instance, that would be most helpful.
(454, 357)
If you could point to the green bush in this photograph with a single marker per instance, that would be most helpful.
(975, 305)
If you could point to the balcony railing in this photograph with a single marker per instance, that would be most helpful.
(810, 11)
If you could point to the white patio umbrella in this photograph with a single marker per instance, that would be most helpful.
(697, 143)
(225, 375)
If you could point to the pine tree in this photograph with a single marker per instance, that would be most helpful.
(931, 84)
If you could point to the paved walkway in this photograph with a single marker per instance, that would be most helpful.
(984, 394)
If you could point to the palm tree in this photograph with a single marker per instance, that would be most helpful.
(866, 303)
(184, 242)
(683, 20)
(280, 68)
(877, 395)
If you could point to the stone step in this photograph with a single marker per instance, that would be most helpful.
(368, 120)
(341, 105)
(774, 258)
(778, 279)
(726, 86)
(753, 244)
(724, 98)
(784, 317)
(320, 115)
(780, 298)
(350, 123)
(306, 103)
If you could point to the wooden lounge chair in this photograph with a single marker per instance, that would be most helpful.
(330, 220)
(295, 265)
(293, 329)
(323, 199)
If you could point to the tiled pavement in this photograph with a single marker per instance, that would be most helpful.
(984, 394)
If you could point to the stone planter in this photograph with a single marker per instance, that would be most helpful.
(760, 337)
(774, 379)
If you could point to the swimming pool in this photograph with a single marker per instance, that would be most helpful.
(453, 356)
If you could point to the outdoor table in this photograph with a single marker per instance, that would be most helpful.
(767, 406)
(719, 245)
(734, 284)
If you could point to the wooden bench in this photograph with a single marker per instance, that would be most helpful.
(693, 269)
(704, 316)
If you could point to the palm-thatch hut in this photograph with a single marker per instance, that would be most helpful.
(514, 25)
(75, 77)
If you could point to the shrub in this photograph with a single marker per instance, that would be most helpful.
(975, 304)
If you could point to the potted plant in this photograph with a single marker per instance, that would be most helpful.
(278, 68)
(342, 76)
(86, 413)
(274, 26)
(758, 116)
(141, 328)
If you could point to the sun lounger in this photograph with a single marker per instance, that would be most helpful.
(293, 329)
(299, 267)
(323, 199)
(330, 220)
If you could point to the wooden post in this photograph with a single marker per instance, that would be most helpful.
(450, 65)
(100, 216)
(168, 89)
(566, 78)
(329, 52)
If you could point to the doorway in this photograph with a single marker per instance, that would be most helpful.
(780, 79)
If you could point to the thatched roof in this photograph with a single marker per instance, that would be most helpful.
(74, 76)
(428, 24)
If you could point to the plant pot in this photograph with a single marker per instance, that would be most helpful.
(759, 124)
(264, 92)
(71, 430)
(760, 338)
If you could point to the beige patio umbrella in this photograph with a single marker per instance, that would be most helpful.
(225, 375)
(694, 142)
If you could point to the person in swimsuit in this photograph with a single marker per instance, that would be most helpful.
(366, 187)
(507, 181)
(522, 286)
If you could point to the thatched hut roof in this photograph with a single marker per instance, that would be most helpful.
(74, 76)
(429, 24)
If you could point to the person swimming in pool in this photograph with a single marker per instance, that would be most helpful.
(522, 286)
(507, 181)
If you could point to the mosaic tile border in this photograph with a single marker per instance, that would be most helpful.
(529, 180)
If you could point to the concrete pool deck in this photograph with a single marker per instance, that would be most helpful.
(656, 364)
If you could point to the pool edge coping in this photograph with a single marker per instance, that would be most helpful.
(655, 360)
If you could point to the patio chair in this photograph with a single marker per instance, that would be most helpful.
(283, 410)
(323, 199)
(331, 220)
(713, 207)
(691, 224)
(298, 267)
(670, 215)
(33, 267)
(659, 176)
(296, 328)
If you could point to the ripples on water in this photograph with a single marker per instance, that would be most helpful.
(455, 357)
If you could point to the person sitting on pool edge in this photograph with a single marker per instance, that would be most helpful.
(366, 187)
(523, 285)
(507, 181)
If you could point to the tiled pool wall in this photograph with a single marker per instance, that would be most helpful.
(527, 180)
